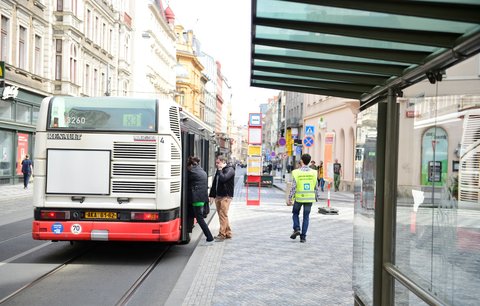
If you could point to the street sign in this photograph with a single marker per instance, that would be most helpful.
(282, 141)
(272, 154)
(298, 150)
(255, 135)
(254, 150)
(308, 141)
(310, 130)
(255, 119)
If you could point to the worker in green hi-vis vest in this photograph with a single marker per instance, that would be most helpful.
(303, 193)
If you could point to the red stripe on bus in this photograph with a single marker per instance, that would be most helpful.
(117, 231)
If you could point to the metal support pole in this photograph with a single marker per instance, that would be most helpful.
(387, 159)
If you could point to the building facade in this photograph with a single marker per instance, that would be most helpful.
(191, 82)
(154, 52)
(331, 123)
(210, 73)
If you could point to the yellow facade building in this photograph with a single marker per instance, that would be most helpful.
(190, 79)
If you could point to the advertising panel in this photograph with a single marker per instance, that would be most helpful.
(328, 155)
(22, 145)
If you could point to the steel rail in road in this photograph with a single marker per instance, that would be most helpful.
(130, 292)
(45, 275)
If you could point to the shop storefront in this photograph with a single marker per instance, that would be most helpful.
(18, 116)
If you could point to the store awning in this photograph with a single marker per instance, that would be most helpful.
(358, 48)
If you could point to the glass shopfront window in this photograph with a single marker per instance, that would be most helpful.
(364, 221)
(23, 113)
(5, 110)
(35, 112)
(6, 151)
(437, 240)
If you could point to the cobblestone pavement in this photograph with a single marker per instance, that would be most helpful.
(261, 265)
(15, 203)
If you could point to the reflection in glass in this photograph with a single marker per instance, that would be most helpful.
(6, 151)
(438, 195)
(364, 218)
(405, 297)
(101, 114)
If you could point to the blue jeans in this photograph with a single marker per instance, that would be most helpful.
(307, 207)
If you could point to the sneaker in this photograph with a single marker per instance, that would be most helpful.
(295, 234)
(208, 243)
(303, 240)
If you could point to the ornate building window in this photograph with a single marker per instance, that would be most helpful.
(4, 39)
(37, 55)
(22, 41)
(58, 59)
(73, 64)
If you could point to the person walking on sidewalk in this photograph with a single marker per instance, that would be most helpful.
(222, 193)
(26, 170)
(198, 194)
(337, 172)
(320, 179)
(303, 193)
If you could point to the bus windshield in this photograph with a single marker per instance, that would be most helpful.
(102, 114)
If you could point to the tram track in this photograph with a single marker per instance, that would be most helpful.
(44, 275)
(132, 285)
(131, 291)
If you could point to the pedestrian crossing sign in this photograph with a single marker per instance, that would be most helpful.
(310, 130)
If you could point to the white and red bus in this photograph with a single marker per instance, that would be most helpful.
(112, 168)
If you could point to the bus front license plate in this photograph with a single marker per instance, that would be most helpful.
(100, 215)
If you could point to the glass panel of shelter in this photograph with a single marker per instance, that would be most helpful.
(438, 195)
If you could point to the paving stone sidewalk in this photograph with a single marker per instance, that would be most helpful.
(261, 265)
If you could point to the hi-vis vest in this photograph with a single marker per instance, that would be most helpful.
(306, 181)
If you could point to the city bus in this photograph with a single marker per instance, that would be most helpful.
(112, 168)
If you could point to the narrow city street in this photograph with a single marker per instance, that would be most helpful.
(260, 264)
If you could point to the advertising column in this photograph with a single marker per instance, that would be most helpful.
(254, 159)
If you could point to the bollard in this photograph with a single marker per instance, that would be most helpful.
(328, 210)
(328, 194)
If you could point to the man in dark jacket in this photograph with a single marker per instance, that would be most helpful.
(222, 192)
(198, 194)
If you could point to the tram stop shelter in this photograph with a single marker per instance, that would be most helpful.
(374, 51)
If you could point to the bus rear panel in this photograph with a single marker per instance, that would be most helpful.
(107, 169)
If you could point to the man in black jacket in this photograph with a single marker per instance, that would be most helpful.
(222, 192)
(198, 195)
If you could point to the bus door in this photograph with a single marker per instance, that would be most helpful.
(188, 141)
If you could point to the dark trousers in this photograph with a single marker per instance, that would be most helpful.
(198, 213)
(307, 207)
(26, 179)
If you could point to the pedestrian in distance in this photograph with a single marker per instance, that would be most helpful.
(302, 194)
(321, 180)
(27, 170)
(222, 193)
(337, 173)
(312, 165)
(197, 180)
